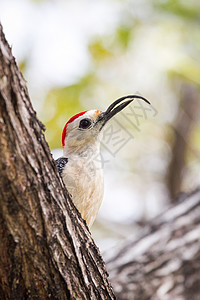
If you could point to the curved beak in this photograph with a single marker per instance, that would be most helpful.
(114, 108)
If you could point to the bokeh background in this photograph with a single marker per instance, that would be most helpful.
(82, 54)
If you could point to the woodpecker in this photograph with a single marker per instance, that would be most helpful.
(81, 165)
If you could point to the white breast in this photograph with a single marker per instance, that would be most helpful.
(84, 181)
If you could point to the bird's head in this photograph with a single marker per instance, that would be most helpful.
(83, 130)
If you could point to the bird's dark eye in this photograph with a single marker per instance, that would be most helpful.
(85, 123)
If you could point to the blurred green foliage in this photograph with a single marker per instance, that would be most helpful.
(183, 8)
(109, 46)
(23, 65)
(124, 36)
(99, 51)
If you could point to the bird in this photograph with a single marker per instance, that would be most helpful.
(81, 165)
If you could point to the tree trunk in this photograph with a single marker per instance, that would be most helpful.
(187, 115)
(46, 250)
(164, 263)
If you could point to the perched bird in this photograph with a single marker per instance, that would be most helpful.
(81, 164)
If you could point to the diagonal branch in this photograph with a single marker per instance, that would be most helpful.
(164, 262)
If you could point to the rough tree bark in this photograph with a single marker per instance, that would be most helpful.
(46, 250)
(164, 262)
